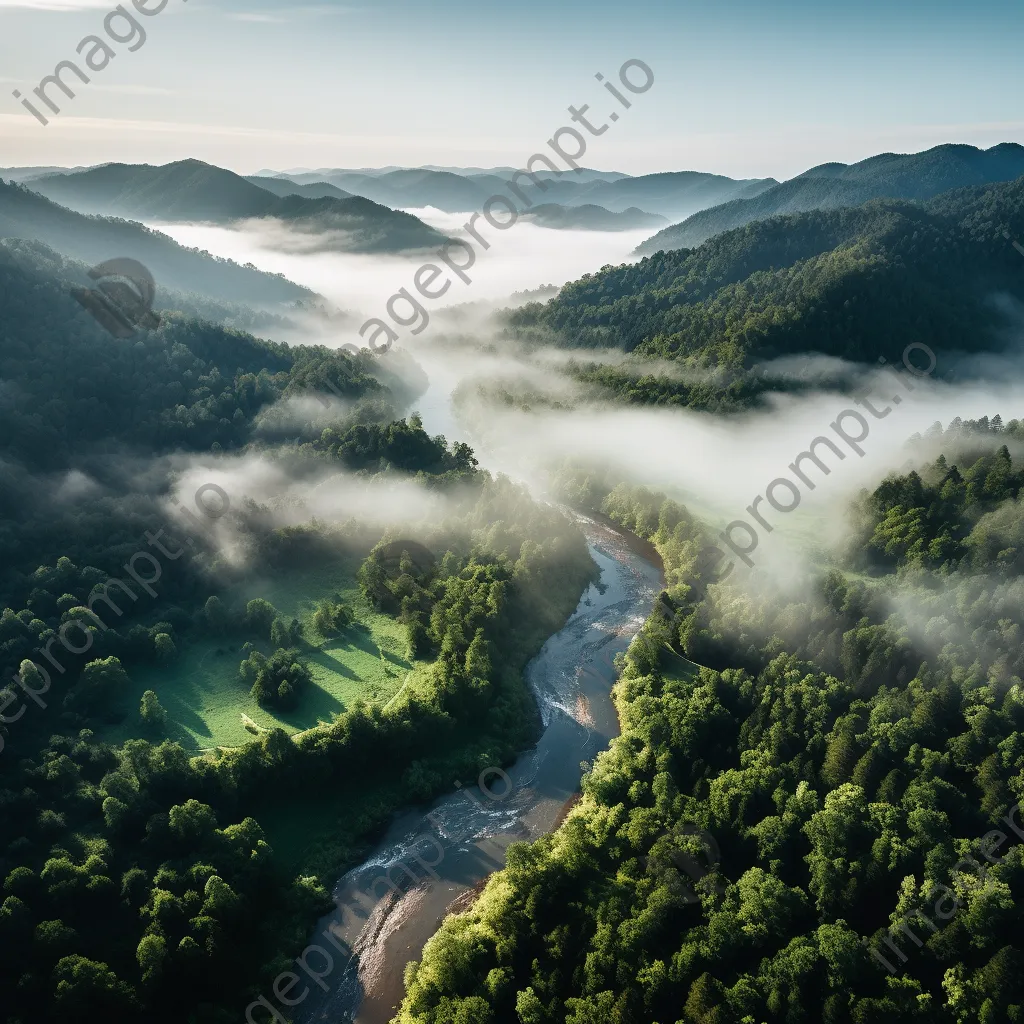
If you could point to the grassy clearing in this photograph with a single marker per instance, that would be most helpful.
(206, 701)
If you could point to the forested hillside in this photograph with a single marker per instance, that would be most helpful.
(918, 176)
(73, 389)
(854, 283)
(810, 815)
(184, 190)
(25, 214)
(190, 190)
(137, 880)
(141, 885)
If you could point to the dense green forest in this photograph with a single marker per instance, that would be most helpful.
(797, 822)
(27, 215)
(809, 816)
(136, 879)
(140, 884)
(81, 406)
(856, 284)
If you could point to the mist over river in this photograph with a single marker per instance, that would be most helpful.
(431, 860)
(390, 905)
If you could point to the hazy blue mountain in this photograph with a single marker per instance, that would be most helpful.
(187, 190)
(831, 186)
(190, 190)
(355, 225)
(591, 218)
(587, 174)
(440, 189)
(282, 186)
(673, 194)
(408, 188)
(26, 173)
(25, 214)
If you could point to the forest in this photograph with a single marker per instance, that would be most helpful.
(811, 812)
(833, 185)
(137, 881)
(855, 284)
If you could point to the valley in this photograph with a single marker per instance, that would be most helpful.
(469, 702)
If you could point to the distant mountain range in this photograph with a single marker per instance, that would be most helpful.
(587, 217)
(190, 190)
(584, 174)
(24, 173)
(287, 187)
(672, 194)
(917, 176)
(363, 211)
(591, 218)
(26, 214)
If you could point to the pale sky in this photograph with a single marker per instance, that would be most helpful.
(741, 88)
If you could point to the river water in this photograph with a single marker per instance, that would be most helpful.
(392, 903)
(433, 860)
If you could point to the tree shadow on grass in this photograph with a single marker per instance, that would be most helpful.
(316, 706)
(397, 659)
(328, 661)
(356, 635)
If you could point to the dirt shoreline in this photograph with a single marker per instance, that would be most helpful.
(572, 677)
(465, 901)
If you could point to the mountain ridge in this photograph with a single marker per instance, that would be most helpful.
(91, 239)
(913, 176)
(194, 191)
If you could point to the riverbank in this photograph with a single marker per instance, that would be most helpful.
(571, 680)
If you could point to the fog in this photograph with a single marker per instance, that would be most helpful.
(208, 489)
(717, 465)
(523, 257)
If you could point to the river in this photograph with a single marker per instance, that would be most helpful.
(437, 856)
(433, 860)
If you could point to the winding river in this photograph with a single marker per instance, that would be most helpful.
(431, 861)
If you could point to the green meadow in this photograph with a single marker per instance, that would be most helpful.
(205, 700)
